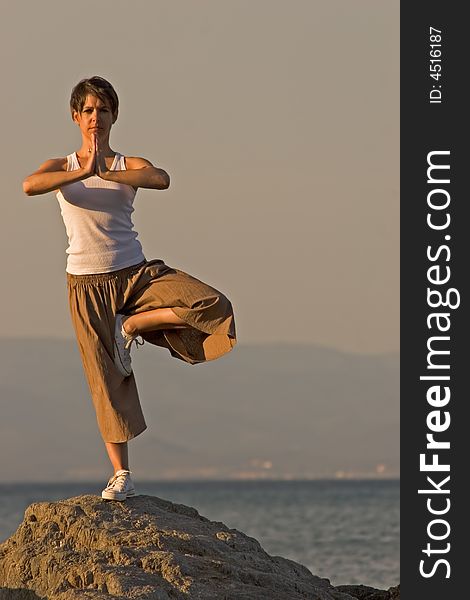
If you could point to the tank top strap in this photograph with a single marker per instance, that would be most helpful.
(119, 163)
(72, 162)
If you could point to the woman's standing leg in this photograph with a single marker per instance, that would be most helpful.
(118, 455)
(92, 301)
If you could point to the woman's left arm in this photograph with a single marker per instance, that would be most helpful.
(139, 173)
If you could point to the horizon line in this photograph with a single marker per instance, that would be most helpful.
(362, 478)
(395, 352)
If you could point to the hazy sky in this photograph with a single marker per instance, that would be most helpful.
(279, 125)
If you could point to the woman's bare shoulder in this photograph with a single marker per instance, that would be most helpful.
(136, 162)
(53, 164)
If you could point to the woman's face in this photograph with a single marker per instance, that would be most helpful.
(96, 118)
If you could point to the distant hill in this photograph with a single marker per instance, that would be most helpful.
(274, 410)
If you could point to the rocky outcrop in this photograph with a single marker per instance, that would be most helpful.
(364, 592)
(146, 548)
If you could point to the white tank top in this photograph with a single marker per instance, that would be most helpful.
(97, 217)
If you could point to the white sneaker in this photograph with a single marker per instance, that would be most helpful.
(119, 487)
(122, 347)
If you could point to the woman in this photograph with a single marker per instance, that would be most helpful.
(115, 294)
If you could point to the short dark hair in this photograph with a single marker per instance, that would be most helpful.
(93, 86)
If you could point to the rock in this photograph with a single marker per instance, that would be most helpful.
(144, 548)
(363, 592)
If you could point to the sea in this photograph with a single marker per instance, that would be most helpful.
(344, 530)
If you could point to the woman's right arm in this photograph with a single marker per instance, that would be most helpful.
(51, 175)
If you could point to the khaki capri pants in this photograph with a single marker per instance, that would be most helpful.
(94, 301)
